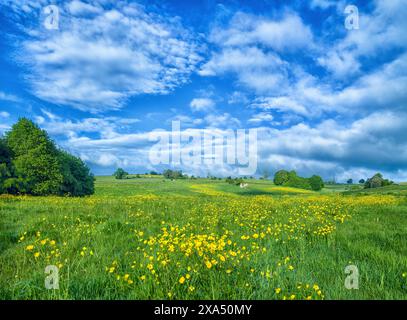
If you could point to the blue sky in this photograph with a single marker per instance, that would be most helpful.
(324, 99)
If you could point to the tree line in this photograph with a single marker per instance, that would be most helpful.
(32, 164)
(291, 179)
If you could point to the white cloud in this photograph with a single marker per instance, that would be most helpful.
(224, 120)
(9, 97)
(238, 97)
(374, 143)
(202, 104)
(79, 8)
(96, 62)
(287, 33)
(261, 117)
(323, 4)
(379, 32)
(4, 114)
(254, 68)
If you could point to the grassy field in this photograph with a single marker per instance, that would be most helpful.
(201, 239)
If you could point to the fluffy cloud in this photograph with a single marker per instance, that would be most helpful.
(288, 33)
(379, 33)
(9, 97)
(250, 47)
(4, 114)
(261, 117)
(374, 143)
(202, 104)
(100, 57)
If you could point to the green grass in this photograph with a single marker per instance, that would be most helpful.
(122, 226)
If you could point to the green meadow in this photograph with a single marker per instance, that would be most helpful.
(151, 238)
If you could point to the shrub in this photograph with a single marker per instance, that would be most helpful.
(172, 174)
(120, 174)
(281, 177)
(316, 183)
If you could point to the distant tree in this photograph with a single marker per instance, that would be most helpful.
(362, 181)
(235, 181)
(120, 174)
(377, 181)
(296, 181)
(316, 183)
(172, 174)
(350, 181)
(153, 173)
(281, 177)
(266, 173)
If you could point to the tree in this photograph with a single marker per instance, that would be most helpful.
(281, 177)
(362, 181)
(377, 181)
(266, 173)
(6, 169)
(316, 183)
(35, 159)
(172, 174)
(31, 163)
(78, 181)
(120, 174)
(350, 181)
(296, 181)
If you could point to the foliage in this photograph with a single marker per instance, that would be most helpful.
(235, 181)
(32, 164)
(377, 181)
(77, 181)
(120, 174)
(173, 174)
(281, 177)
(6, 168)
(316, 183)
(35, 159)
(291, 179)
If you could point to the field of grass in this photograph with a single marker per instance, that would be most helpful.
(149, 238)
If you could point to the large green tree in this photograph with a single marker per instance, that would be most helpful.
(316, 183)
(35, 158)
(38, 167)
